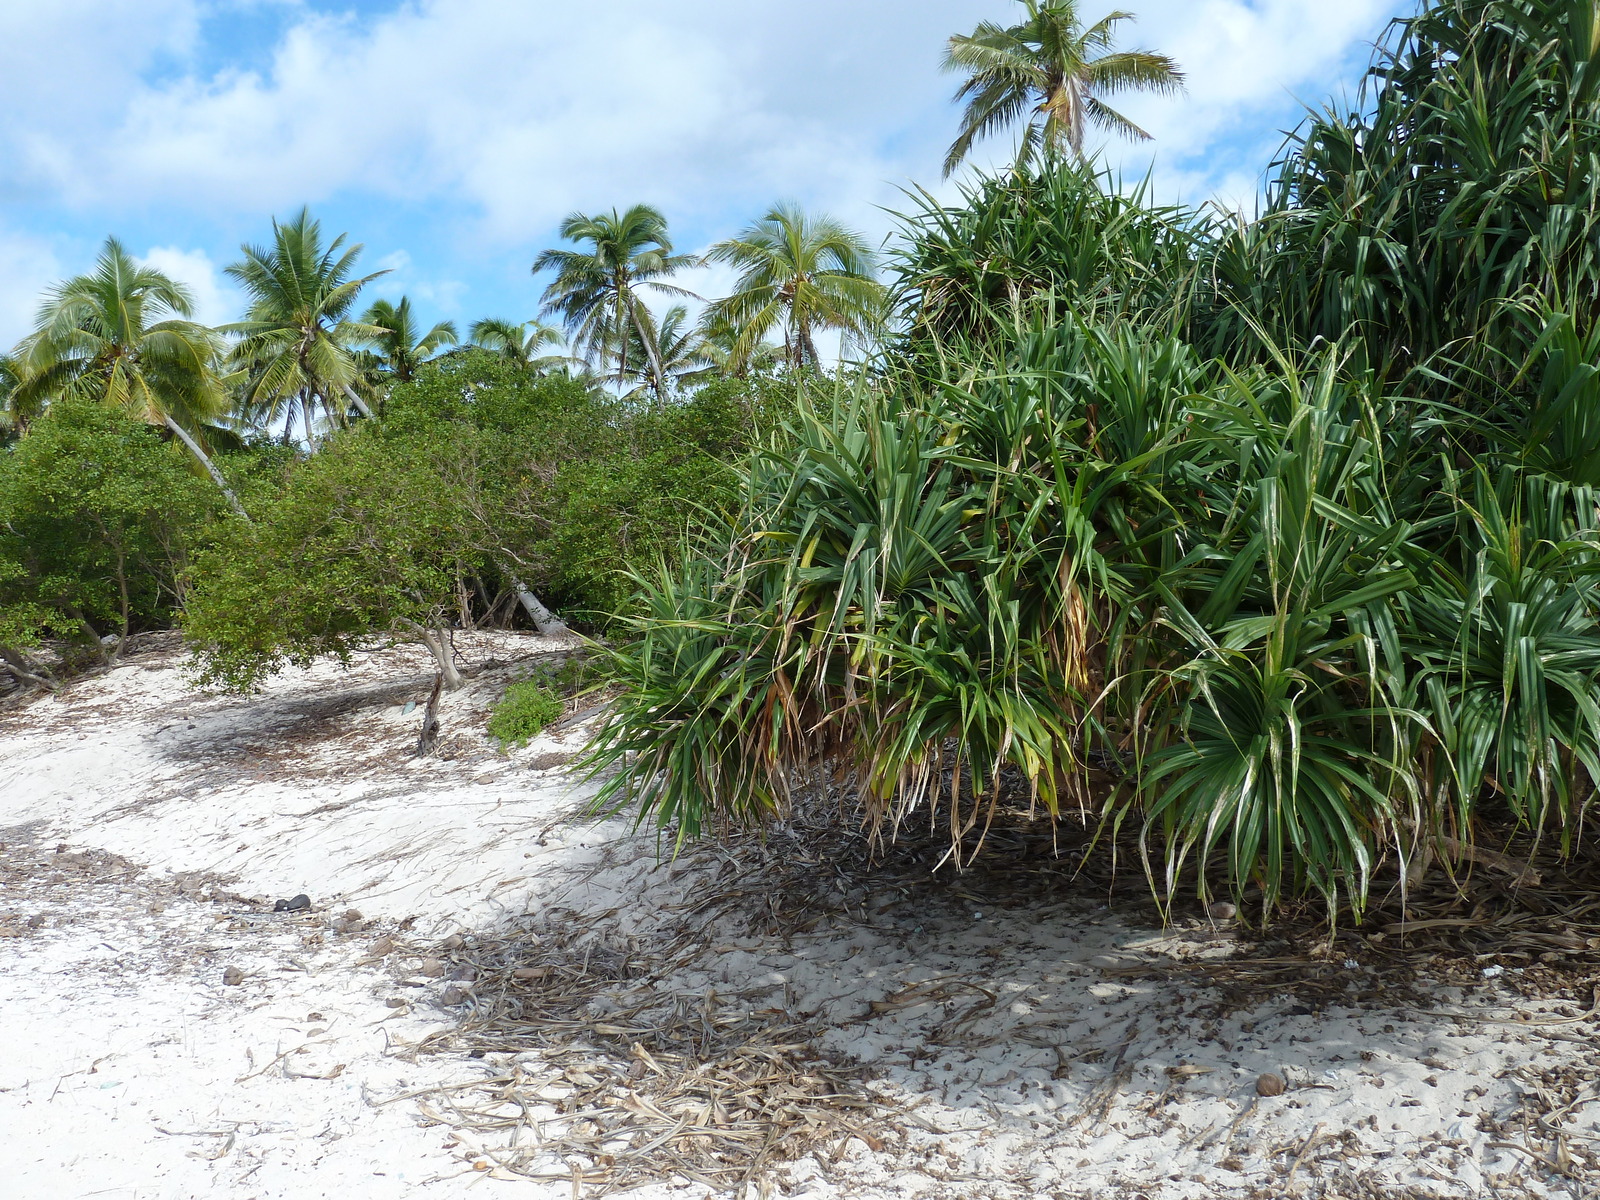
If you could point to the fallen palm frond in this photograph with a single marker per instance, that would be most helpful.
(627, 1082)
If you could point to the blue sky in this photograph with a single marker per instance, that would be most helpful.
(451, 136)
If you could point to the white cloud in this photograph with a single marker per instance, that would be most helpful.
(67, 69)
(216, 299)
(525, 110)
(478, 124)
(27, 266)
(1243, 60)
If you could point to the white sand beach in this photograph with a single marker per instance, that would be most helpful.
(165, 1034)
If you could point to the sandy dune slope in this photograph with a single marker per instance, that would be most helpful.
(164, 1033)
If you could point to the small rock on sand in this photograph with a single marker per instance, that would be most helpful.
(1269, 1085)
(232, 977)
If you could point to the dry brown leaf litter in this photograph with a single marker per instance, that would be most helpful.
(605, 1076)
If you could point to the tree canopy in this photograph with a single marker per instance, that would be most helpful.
(800, 275)
(295, 342)
(1052, 74)
(598, 292)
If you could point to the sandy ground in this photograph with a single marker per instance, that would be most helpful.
(164, 1033)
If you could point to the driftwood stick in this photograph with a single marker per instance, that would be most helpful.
(430, 719)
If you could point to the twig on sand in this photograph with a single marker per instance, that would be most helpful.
(1535, 1156)
(280, 1058)
(1098, 1107)
(1288, 1179)
(1232, 1127)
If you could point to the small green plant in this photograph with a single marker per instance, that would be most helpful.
(525, 709)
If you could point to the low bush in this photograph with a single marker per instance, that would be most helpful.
(524, 711)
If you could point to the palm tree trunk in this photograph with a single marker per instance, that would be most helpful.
(361, 405)
(619, 333)
(211, 468)
(807, 346)
(650, 347)
(547, 623)
(305, 416)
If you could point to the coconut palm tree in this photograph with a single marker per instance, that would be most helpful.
(723, 350)
(14, 418)
(1054, 74)
(596, 291)
(400, 348)
(520, 342)
(120, 335)
(679, 349)
(296, 335)
(798, 274)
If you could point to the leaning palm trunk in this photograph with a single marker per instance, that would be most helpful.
(657, 369)
(205, 461)
(543, 619)
(361, 405)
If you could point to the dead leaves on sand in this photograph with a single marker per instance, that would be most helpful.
(613, 1081)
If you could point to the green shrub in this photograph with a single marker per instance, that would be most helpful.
(1290, 527)
(98, 520)
(524, 711)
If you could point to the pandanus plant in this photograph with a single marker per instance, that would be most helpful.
(1274, 544)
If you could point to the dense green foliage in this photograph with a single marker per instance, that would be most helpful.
(1461, 200)
(361, 538)
(1275, 542)
(1036, 234)
(480, 474)
(1272, 543)
(98, 521)
(379, 481)
(603, 481)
